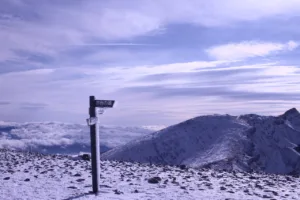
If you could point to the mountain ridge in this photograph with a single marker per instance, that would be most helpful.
(245, 143)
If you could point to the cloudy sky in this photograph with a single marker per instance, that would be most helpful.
(164, 61)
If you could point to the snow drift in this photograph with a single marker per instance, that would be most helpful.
(246, 143)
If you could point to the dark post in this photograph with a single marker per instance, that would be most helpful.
(95, 153)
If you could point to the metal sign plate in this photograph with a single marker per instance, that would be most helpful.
(104, 103)
(92, 121)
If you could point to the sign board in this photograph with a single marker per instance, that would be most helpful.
(104, 103)
(95, 137)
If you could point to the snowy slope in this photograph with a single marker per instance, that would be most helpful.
(54, 137)
(31, 176)
(245, 143)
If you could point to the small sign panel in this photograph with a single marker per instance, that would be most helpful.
(92, 121)
(104, 103)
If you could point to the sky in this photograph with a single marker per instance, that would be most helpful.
(163, 61)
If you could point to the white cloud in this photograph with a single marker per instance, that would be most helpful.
(291, 45)
(78, 23)
(166, 68)
(273, 79)
(54, 28)
(66, 94)
(54, 85)
(248, 49)
(49, 134)
(283, 71)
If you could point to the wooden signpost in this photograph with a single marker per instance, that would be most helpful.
(95, 138)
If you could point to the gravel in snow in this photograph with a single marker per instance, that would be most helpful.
(33, 176)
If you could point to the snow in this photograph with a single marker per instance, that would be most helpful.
(61, 177)
(247, 143)
(220, 157)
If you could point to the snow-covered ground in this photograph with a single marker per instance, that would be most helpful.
(30, 176)
(243, 143)
(64, 138)
(229, 156)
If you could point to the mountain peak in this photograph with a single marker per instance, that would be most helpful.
(291, 112)
(221, 143)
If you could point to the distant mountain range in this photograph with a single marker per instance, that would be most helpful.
(63, 138)
(245, 143)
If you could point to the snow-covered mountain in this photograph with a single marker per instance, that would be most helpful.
(245, 143)
(63, 138)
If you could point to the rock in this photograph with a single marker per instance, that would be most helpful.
(6, 178)
(222, 188)
(77, 175)
(207, 184)
(105, 186)
(86, 157)
(293, 186)
(27, 179)
(288, 178)
(182, 166)
(187, 177)
(296, 175)
(117, 192)
(80, 180)
(72, 187)
(266, 196)
(258, 186)
(204, 177)
(154, 180)
(291, 112)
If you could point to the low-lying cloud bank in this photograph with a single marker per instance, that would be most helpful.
(54, 137)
